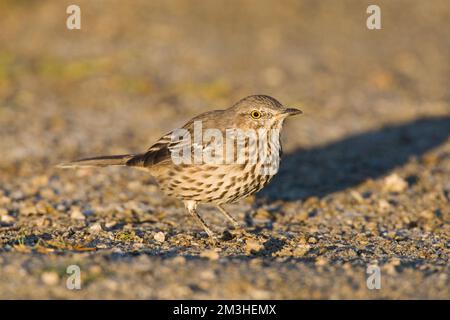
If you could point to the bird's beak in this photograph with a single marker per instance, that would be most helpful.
(292, 111)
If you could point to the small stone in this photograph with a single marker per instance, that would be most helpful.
(301, 250)
(95, 269)
(179, 260)
(312, 240)
(61, 207)
(76, 214)
(160, 236)
(321, 261)
(430, 159)
(88, 212)
(47, 193)
(5, 200)
(17, 195)
(50, 278)
(261, 214)
(44, 222)
(135, 185)
(395, 261)
(302, 240)
(394, 183)
(383, 205)
(210, 254)
(138, 246)
(227, 236)
(128, 226)
(357, 196)
(7, 218)
(43, 208)
(28, 210)
(302, 215)
(427, 214)
(372, 226)
(389, 267)
(207, 275)
(110, 224)
(39, 181)
(253, 245)
(260, 294)
(96, 227)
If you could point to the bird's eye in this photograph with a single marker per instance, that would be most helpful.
(256, 114)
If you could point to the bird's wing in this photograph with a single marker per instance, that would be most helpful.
(158, 152)
(178, 142)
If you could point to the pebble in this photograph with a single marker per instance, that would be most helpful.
(134, 185)
(394, 183)
(5, 200)
(262, 214)
(28, 210)
(207, 274)
(427, 214)
(7, 218)
(253, 245)
(44, 222)
(96, 227)
(227, 236)
(179, 260)
(302, 215)
(95, 269)
(312, 240)
(301, 250)
(159, 236)
(50, 278)
(47, 193)
(389, 267)
(210, 254)
(321, 261)
(110, 224)
(39, 181)
(260, 294)
(76, 214)
(357, 196)
(383, 205)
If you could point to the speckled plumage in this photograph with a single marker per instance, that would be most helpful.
(217, 183)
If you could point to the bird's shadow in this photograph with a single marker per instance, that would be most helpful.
(339, 165)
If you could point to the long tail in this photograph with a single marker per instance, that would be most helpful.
(102, 161)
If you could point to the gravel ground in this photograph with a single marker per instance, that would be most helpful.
(365, 179)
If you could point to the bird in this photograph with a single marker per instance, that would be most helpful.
(226, 155)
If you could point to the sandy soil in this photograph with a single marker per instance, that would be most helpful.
(365, 178)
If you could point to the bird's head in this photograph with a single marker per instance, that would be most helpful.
(260, 111)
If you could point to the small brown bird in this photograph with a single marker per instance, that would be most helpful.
(226, 155)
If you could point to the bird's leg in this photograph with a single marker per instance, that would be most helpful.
(195, 214)
(236, 224)
(191, 207)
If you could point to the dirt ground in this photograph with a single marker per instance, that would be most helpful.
(365, 178)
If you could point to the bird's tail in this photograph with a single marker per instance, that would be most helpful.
(102, 161)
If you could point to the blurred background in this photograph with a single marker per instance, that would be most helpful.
(138, 69)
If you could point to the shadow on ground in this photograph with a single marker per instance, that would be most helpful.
(346, 163)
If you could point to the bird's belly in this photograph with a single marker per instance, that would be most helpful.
(219, 184)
